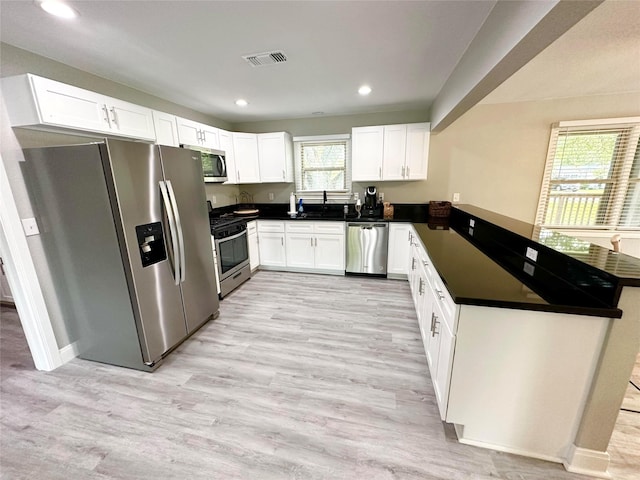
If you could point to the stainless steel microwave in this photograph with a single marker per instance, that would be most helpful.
(214, 165)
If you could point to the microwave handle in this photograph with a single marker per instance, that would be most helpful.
(222, 168)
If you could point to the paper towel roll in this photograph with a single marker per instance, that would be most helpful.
(292, 203)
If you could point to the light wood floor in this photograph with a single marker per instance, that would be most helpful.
(301, 377)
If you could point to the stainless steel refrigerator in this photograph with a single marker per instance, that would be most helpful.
(125, 233)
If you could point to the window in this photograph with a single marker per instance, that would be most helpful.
(322, 163)
(592, 176)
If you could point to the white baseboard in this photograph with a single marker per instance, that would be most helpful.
(501, 448)
(69, 352)
(587, 462)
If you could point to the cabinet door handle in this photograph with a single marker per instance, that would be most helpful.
(433, 316)
(238, 175)
(440, 294)
(311, 241)
(407, 171)
(282, 241)
(115, 119)
(2, 266)
(283, 176)
(403, 171)
(316, 242)
(409, 236)
(379, 172)
(106, 115)
(413, 263)
(204, 136)
(420, 287)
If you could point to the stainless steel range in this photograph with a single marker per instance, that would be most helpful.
(232, 249)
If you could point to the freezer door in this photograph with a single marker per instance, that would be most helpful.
(183, 173)
(134, 175)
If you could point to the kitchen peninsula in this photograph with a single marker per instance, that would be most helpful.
(522, 329)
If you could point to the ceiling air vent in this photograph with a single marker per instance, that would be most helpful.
(267, 58)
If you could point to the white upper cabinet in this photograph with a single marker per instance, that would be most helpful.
(390, 152)
(366, 153)
(197, 134)
(417, 157)
(166, 129)
(226, 145)
(245, 149)
(275, 156)
(38, 102)
(394, 151)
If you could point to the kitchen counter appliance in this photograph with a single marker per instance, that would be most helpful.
(232, 251)
(367, 248)
(214, 163)
(126, 240)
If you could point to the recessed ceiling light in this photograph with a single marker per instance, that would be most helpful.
(241, 102)
(58, 9)
(364, 90)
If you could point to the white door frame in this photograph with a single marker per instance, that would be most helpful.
(23, 281)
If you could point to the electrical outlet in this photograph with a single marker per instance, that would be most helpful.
(213, 199)
(271, 197)
(472, 222)
(381, 196)
(456, 197)
(30, 226)
(532, 254)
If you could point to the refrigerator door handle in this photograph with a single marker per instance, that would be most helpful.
(174, 204)
(172, 231)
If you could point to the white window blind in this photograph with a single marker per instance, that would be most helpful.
(323, 163)
(592, 176)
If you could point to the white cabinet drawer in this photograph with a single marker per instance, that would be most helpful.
(443, 298)
(276, 226)
(336, 228)
(299, 227)
(252, 227)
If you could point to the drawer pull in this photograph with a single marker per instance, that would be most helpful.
(420, 287)
(440, 294)
(434, 332)
(413, 263)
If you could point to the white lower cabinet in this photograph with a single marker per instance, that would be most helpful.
(398, 254)
(315, 246)
(436, 317)
(271, 243)
(252, 238)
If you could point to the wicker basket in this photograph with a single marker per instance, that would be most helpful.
(439, 209)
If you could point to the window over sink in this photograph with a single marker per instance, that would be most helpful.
(323, 163)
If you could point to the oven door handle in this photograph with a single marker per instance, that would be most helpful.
(232, 237)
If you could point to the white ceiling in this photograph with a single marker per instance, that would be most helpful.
(189, 52)
(600, 55)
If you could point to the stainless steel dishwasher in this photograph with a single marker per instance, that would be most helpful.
(367, 248)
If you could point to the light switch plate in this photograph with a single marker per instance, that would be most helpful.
(456, 197)
(271, 196)
(30, 226)
(532, 254)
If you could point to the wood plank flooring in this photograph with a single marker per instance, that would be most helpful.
(301, 377)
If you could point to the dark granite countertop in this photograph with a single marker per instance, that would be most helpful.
(472, 278)
(493, 273)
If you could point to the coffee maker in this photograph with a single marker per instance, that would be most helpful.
(371, 206)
